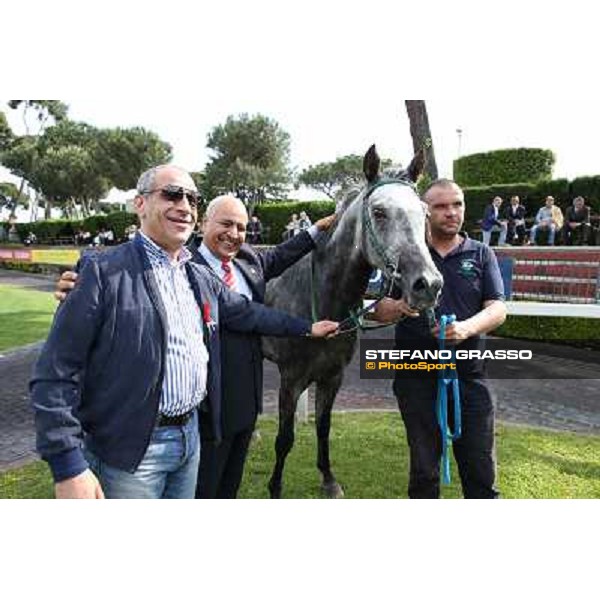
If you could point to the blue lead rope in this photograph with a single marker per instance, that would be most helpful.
(447, 378)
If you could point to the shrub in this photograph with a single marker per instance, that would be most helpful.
(276, 216)
(504, 166)
(589, 188)
(578, 332)
(46, 230)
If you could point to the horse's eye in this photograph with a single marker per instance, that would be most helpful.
(379, 214)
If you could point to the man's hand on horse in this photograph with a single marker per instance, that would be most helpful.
(65, 284)
(389, 310)
(324, 329)
(325, 223)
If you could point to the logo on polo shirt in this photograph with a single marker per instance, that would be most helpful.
(467, 268)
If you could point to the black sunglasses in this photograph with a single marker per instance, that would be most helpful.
(175, 193)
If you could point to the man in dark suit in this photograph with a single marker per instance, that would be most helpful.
(246, 271)
(492, 222)
(578, 229)
(515, 217)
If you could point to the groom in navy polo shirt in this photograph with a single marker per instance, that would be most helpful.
(473, 291)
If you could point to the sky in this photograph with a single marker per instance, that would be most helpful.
(333, 75)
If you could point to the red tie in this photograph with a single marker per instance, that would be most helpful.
(228, 278)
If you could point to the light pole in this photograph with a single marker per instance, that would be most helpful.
(459, 134)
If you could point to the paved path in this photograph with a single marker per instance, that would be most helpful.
(567, 405)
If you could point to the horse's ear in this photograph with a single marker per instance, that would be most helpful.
(371, 164)
(417, 164)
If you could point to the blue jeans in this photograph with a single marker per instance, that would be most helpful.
(169, 468)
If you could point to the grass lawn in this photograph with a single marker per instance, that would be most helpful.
(25, 315)
(370, 459)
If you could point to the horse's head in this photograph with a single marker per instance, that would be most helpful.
(392, 219)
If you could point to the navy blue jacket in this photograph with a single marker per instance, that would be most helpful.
(489, 219)
(101, 370)
(241, 353)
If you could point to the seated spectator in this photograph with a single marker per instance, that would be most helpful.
(83, 237)
(254, 231)
(515, 220)
(304, 223)
(578, 229)
(109, 237)
(492, 222)
(292, 228)
(30, 239)
(548, 217)
(131, 231)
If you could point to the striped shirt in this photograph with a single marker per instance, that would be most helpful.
(184, 383)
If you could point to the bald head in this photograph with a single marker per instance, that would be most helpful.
(222, 202)
(225, 225)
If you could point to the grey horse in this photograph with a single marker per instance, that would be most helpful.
(380, 227)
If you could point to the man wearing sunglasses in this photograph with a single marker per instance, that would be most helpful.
(246, 271)
(133, 352)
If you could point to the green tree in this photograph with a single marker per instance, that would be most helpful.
(330, 177)
(44, 112)
(125, 154)
(75, 164)
(9, 197)
(251, 159)
(42, 109)
(6, 134)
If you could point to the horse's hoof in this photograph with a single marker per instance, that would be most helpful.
(332, 490)
(274, 491)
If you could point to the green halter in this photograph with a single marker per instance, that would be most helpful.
(356, 314)
(366, 214)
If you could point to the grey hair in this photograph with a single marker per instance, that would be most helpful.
(215, 202)
(147, 178)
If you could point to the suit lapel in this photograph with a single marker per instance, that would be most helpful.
(251, 274)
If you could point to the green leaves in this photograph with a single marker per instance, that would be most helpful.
(73, 163)
(513, 165)
(251, 156)
(330, 177)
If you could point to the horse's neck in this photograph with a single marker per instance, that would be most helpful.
(342, 273)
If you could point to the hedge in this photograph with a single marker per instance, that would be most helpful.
(579, 332)
(532, 197)
(511, 165)
(45, 230)
(276, 216)
(589, 188)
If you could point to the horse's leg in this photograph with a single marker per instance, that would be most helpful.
(325, 396)
(289, 392)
